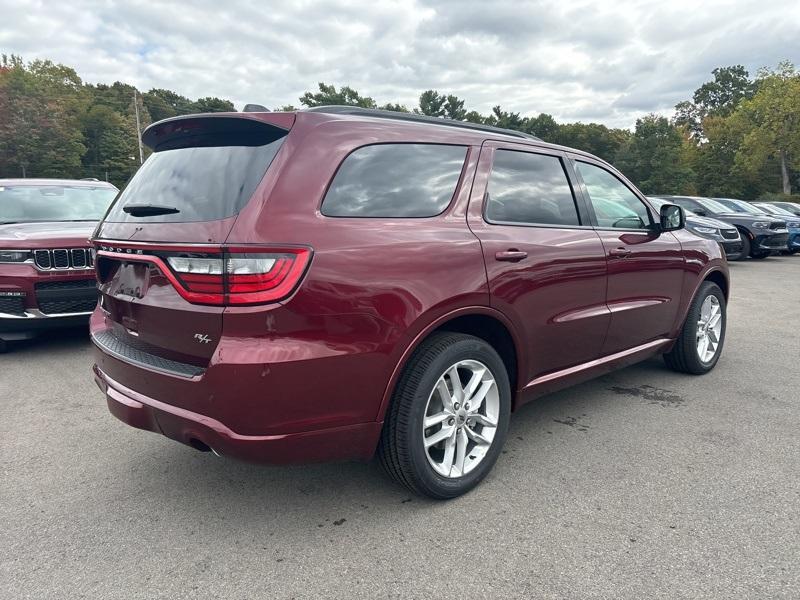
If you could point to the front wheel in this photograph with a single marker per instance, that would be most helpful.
(699, 344)
(449, 416)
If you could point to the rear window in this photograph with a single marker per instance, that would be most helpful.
(395, 180)
(202, 175)
(25, 203)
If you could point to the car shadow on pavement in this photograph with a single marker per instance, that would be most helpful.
(321, 495)
(57, 340)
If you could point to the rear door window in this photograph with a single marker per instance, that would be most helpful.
(202, 175)
(530, 189)
(395, 180)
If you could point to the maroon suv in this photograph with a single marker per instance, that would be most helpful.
(46, 269)
(325, 284)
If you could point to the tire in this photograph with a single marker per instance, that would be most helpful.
(3, 346)
(402, 449)
(760, 255)
(685, 354)
(745, 248)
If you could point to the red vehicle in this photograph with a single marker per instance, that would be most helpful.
(321, 285)
(46, 268)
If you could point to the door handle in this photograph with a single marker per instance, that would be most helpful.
(511, 255)
(619, 252)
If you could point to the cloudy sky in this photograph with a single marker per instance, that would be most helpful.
(590, 60)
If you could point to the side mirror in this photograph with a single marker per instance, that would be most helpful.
(700, 212)
(672, 217)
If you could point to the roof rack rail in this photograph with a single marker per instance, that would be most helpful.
(415, 118)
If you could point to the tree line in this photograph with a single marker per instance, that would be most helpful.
(737, 136)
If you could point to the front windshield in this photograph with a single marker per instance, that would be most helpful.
(788, 206)
(28, 203)
(740, 206)
(776, 210)
(713, 205)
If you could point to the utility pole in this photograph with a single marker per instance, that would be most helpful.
(138, 127)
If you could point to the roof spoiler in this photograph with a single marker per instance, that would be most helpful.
(215, 129)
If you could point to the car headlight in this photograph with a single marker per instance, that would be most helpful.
(14, 256)
(706, 230)
(761, 224)
(794, 224)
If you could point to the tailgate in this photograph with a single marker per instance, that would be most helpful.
(148, 314)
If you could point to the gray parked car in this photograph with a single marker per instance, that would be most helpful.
(725, 234)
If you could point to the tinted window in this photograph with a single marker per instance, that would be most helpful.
(395, 180)
(530, 188)
(615, 205)
(204, 183)
(21, 203)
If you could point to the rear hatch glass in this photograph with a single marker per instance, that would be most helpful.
(202, 169)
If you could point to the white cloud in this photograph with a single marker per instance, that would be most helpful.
(587, 60)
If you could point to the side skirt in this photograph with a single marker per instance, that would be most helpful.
(558, 380)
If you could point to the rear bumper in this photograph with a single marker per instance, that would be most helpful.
(351, 442)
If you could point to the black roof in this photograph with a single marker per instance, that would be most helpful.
(415, 118)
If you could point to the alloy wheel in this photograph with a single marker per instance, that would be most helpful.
(460, 419)
(709, 328)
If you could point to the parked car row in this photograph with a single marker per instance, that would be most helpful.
(745, 229)
(337, 283)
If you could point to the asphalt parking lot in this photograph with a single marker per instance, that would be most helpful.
(642, 484)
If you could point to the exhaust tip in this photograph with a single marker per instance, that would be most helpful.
(202, 446)
(198, 445)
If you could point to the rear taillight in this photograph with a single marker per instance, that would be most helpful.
(199, 274)
(215, 275)
(240, 276)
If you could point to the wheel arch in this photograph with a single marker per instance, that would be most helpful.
(483, 322)
(717, 274)
(744, 231)
(720, 279)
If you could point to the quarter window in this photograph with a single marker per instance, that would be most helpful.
(395, 180)
(614, 204)
(529, 188)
